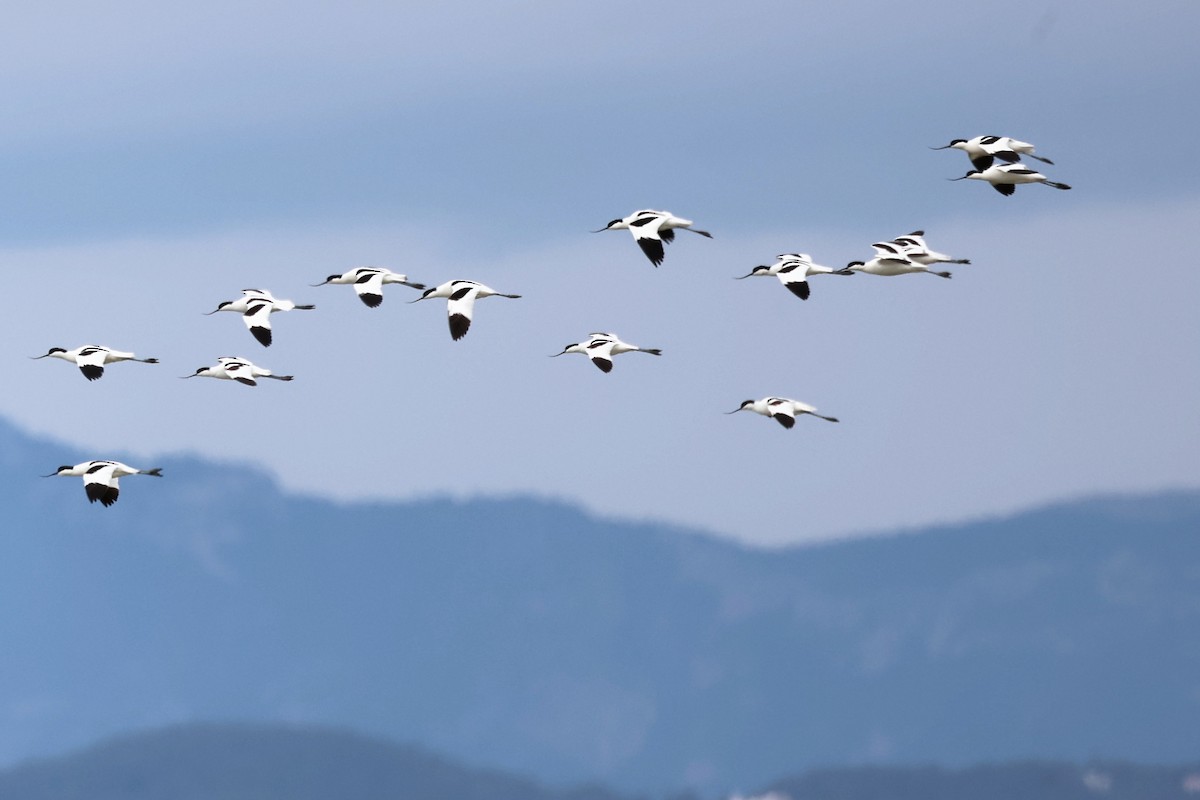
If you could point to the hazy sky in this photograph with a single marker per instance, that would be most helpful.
(159, 158)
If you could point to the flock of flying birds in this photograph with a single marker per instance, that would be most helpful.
(996, 160)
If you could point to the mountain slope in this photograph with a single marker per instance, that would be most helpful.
(250, 762)
(526, 635)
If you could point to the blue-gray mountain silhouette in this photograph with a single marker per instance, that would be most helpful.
(527, 635)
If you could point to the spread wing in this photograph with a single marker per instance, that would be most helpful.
(461, 307)
(100, 483)
(795, 277)
(781, 411)
(646, 233)
(370, 288)
(600, 352)
(258, 320)
(240, 371)
(91, 362)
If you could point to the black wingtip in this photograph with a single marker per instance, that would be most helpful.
(603, 363)
(263, 335)
(799, 288)
(459, 325)
(371, 300)
(653, 249)
(1005, 189)
(98, 492)
(92, 372)
(784, 420)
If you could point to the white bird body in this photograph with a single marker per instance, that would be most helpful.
(889, 265)
(100, 478)
(91, 358)
(236, 368)
(368, 282)
(256, 307)
(651, 230)
(984, 150)
(793, 271)
(602, 347)
(460, 307)
(1004, 178)
(781, 409)
(914, 247)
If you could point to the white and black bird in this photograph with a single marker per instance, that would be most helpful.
(793, 271)
(368, 283)
(602, 347)
(914, 247)
(651, 230)
(92, 358)
(460, 307)
(890, 260)
(236, 368)
(780, 409)
(100, 478)
(256, 307)
(1004, 178)
(984, 150)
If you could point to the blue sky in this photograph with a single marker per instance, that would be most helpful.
(158, 159)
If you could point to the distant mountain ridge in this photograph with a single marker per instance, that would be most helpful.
(258, 762)
(526, 635)
(273, 762)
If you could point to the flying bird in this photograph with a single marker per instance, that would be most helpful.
(651, 229)
(368, 282)
(1005, 177)
(913, 246)
(984, 150)
(235, 368)
(461, 296)
(256, 307)
(780, 409)
(601, 347)
(890, 260)
(793, 270)
(91, 358)
(100, 478)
